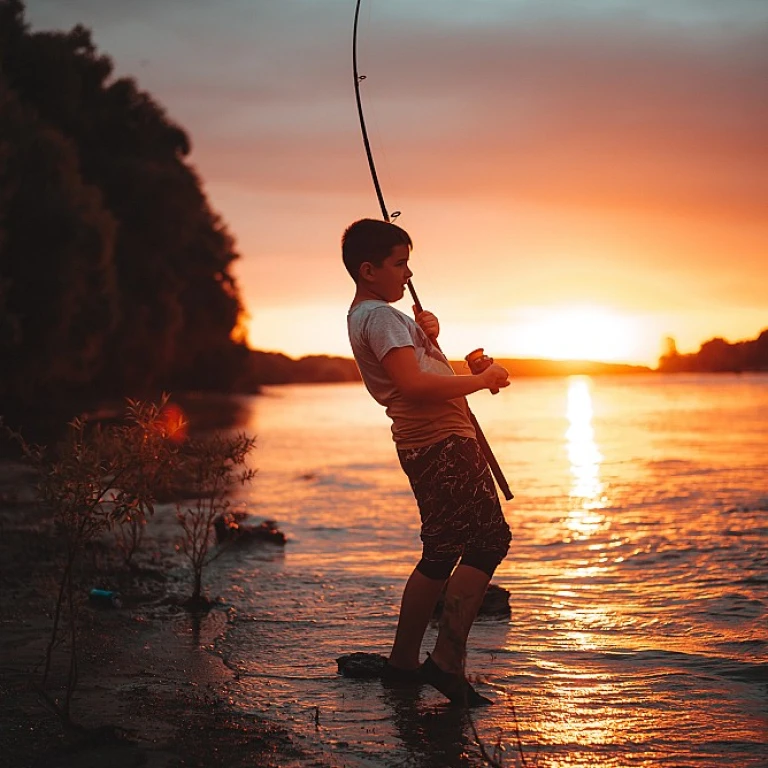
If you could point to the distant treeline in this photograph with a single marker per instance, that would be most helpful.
(276, 368)
(718, 355)
(714, 356)
(115, 274)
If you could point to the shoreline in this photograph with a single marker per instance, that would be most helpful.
(151, 690)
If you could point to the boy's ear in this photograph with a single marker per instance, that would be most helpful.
(366, 270)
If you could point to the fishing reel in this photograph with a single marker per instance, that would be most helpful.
(478, 361)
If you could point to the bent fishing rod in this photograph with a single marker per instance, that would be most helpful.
(481, 439)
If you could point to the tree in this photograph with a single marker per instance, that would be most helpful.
(58, 297)
(153, 298)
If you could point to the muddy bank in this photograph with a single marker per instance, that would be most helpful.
(151, 691)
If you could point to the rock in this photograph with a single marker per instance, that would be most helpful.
(495, 604)
(363, 666)
(230, 529)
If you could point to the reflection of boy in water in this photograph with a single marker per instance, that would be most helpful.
(461, 517)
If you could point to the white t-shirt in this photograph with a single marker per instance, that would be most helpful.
(375, 328)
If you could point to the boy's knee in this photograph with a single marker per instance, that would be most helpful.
(487, 558)
(436, 569)
(487, 562)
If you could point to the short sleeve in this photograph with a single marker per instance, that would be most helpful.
(387, 329)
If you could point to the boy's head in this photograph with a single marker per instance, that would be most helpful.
(370, 240)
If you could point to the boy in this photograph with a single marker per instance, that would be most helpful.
(461, 517)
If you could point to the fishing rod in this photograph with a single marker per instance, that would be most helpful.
(481, 439)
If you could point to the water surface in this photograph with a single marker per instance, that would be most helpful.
(638, 576)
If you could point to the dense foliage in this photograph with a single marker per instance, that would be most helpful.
(115, 274)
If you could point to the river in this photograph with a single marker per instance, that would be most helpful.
(638, 575)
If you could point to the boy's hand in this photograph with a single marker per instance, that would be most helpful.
(495, 377)
(427, 322)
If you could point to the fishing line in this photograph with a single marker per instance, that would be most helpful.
(375, 124)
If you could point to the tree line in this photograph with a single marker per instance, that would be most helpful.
(115, 273)
(718, 356)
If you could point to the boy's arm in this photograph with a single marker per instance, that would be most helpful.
(403, 369)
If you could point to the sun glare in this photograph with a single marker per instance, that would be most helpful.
(578, 333)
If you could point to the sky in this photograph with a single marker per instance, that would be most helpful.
(580, 179)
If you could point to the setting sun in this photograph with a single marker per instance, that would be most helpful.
(579, 333)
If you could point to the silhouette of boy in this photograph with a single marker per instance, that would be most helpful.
(461, 517)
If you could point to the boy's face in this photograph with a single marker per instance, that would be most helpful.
(388, 281)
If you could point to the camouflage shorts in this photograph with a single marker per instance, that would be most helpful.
(461, 514)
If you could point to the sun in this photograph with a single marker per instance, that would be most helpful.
(578, 333)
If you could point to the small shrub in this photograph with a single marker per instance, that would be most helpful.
(94, 479)
(211, 468)
(147, 446)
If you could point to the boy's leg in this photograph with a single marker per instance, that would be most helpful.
(463, 598)
(419, 599)
(461, 516)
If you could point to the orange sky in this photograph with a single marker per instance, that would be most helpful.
(578, 179)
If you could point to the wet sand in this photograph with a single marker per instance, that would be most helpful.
(150, 691)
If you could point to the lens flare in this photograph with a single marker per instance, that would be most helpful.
(173, 423)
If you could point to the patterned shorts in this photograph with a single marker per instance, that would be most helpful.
(461, 515)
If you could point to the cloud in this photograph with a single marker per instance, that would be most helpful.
(636, 129)
(627, 106)
(588, 112)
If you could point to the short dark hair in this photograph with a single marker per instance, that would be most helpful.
(370, 240)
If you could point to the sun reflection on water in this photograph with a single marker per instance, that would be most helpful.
(586, 492)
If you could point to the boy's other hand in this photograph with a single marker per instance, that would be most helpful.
(495, 377)
(427, 322)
